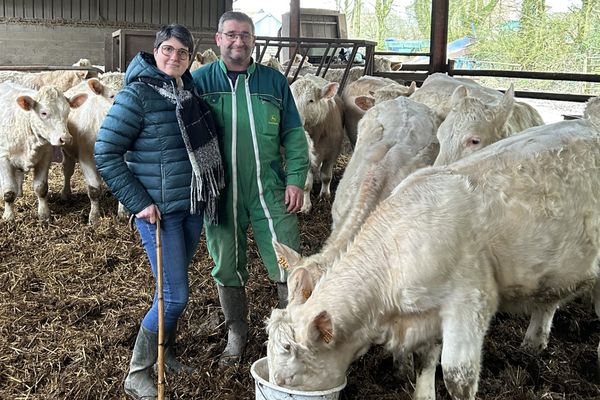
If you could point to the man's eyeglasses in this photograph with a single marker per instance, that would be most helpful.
(245, 36)
(167, 50)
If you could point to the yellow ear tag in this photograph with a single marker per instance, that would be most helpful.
(306, 293)
(282, 262)
(327, 337)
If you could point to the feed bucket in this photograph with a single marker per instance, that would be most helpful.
(266, 390)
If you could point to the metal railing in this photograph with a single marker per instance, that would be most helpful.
(330, 49)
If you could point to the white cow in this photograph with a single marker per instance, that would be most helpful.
(475, 116)
(62, 80)
(206, 57)
(84, 122)
(397, 138)
(322, 114)
(367, 89)
(31, 122)
(515, 226)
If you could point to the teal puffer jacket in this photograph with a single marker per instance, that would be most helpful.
(141, 127)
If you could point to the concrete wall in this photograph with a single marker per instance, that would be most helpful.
(60, 45)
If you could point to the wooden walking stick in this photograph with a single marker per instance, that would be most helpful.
(161, 324)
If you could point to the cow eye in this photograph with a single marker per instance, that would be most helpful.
(311, 101)
(44, 114)
(474, 141)
(287, 347)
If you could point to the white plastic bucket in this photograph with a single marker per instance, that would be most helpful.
(266, 390)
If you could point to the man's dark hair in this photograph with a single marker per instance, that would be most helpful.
(176, 31)
(236, 16)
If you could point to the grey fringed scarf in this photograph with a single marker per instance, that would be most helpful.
(200, 137)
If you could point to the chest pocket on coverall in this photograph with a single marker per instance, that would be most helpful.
(270, 115)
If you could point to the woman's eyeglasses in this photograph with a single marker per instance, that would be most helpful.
(167, 50)
(245, 36)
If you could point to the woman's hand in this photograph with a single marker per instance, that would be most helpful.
(150, 214)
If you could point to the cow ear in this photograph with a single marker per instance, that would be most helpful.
(26, 103)
(412, 88)
(321, 329)
(82, 74)
(300, 286)
(287, 258)
(330, 90)
(364, 102)
(459, 93)
(77, 100)
(508, 100)
(501, 112)
(95, 85)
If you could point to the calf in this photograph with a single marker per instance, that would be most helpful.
(366, 89)
(473, 124)
(322, 114)
(447, 249)
(84, 122)
(475, 116)
(62, 80)
(31, 123)
(206, 57)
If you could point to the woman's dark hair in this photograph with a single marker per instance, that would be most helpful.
(176, 31)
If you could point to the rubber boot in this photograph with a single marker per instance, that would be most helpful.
(172, 364)
(282, 295)
(235, 308)
(140, 384)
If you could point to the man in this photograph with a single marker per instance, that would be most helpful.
(256, 115)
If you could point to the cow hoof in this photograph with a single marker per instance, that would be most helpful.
(10, 196)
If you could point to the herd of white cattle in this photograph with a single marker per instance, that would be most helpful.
(457, 202)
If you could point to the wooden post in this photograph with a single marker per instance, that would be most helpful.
(439, 36)
(295, 18)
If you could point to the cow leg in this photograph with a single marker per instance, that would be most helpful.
(596, 295)
(538, 331)
(464, 325)
(10, 191)
(90, 173)
(40, 185)
(122, 213)
(426, 361)
(326, 173)
(68, 164)
(20, 177)
(308, 185)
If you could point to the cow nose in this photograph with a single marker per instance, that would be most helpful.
(279, 380)
(66, 139)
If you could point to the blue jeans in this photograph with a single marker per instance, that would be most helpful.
(179, 234)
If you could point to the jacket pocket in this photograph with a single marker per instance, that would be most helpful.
(269, 116)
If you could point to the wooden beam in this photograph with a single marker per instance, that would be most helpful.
(439, 36)
(295, 18)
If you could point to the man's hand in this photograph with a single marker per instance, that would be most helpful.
(294, 198)
(150, 214)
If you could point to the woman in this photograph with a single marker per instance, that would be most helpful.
(173, 173)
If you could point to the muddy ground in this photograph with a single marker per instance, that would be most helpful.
(72, 296)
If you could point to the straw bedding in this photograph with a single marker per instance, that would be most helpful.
(72, 296)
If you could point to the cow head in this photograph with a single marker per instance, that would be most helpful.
(49, 110)
(304, 272)
(304, 353)
(472, 124)
(313, 100)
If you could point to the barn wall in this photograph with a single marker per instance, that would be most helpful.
(52, 32)
(36, 44)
